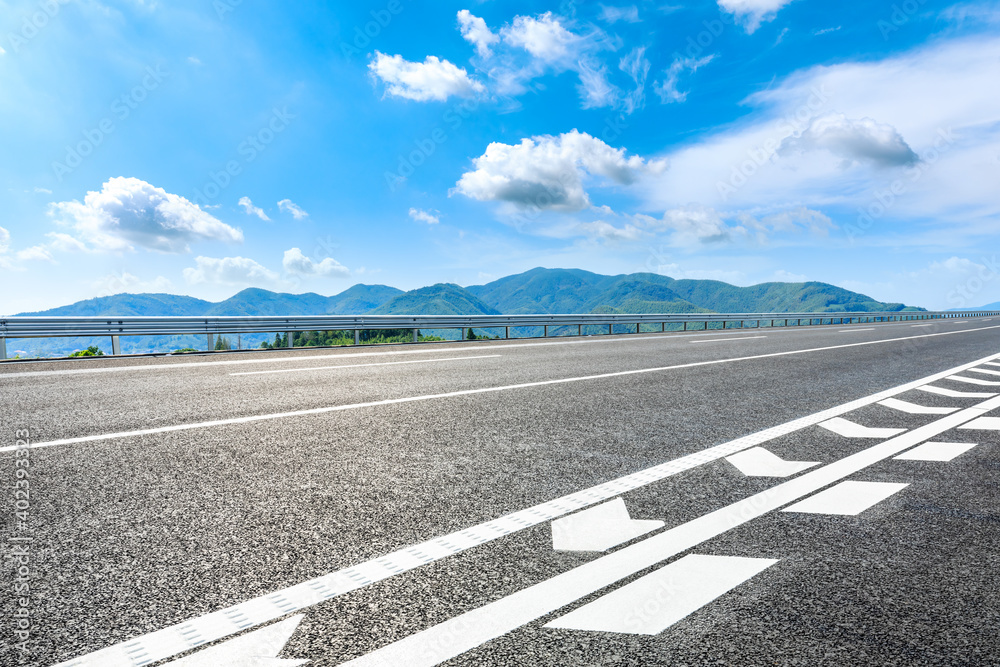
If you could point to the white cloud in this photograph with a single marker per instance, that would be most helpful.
(853, 140)
(636, 65)
(939, 97)
(608, 232)
(288, 206)
(129, 212)
(782, 276)
(117, 283)
(548, 172)
(544, 37)
(297, 264)
(42, 191)
(193, 60)
(424, 216)
(614, 14)
(228, 271)
(595, 89)
(667, 89)
(693, 224)
(4, 241)
(751, 13)
(251, 209)
(475, 31)
(37, 253)
(433, 79)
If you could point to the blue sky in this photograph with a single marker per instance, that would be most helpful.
(202, 147)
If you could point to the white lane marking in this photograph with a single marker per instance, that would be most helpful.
(474, 628)
(171, 641)
(653, 603)
(377, 363)
(951, 393)
(758, 462)
(849, 429)
(984, 424)
(599, 528)
(992, 363)
(963, 322)
(983, 371)
(847, 330)
(936, 451)
(259, 648)
(914, 409)
(483, 390)
(847, 498)
(982, 383)
(921, 325)
(726, 340)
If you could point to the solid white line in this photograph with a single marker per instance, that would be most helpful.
(921, 325)
(941, 452)
(470, 392)
(723, 340)
(172, 640)
(851, 330)
(474, 628)
(951, 393)
(379, 363)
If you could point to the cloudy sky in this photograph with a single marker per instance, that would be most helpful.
(199, 147)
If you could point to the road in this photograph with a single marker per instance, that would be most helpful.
(657, 499)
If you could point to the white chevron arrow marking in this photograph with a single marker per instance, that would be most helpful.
(758, 462)
(849, 429)
(984, 424)
(951, 393)
(914, 409)
(984, 371)
(985, 383)
(254, 649)
(599, 528)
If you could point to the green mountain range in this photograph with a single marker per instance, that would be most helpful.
(536, 291)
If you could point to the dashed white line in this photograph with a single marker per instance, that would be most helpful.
(378, 363)
(852, 330)
(726, 340)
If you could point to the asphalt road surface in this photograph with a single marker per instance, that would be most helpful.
(796, 496)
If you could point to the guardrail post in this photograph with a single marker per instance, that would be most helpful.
(357, 337)
(545, 331)
(685, 325)
(464, 333)
(290, 335)
(3, 347)
(637, 325)
(579, 329)
(211, 342)
(116, 347)
(609, 330)
(416, 335)
(506, 333)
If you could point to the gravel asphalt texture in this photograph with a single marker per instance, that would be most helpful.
(134, 534)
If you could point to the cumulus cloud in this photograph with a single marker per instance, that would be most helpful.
(433, 79)
(251, 209)
(475, 31)
(129, 212)
(297, 264)
(228, 271)
(861, 140)
(544, 37)
(424, 216)
(608, 232)
(695, 224)
(548, 172)
(751, 13)
(615, 14)
(288, 206)
(668, 88)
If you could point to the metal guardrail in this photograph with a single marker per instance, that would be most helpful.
(115, 327)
